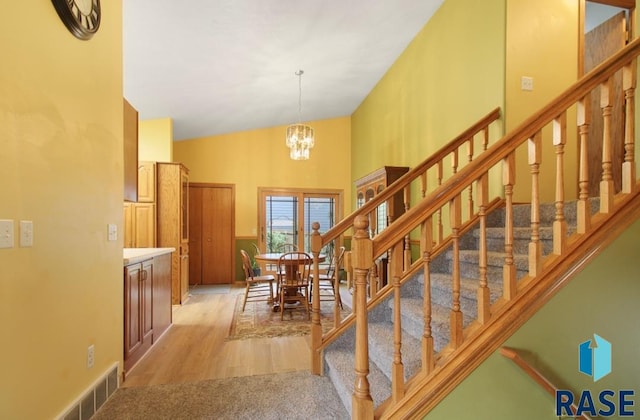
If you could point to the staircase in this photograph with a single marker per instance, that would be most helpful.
(467, 266)
(340, 355)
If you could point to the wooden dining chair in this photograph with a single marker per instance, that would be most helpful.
(258, 288)
(328, 288)
(294, 270)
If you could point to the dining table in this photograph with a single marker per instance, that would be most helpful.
(291, 268)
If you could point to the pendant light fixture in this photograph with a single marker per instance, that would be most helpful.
(300, 138)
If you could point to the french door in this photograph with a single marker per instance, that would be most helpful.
(285, 216)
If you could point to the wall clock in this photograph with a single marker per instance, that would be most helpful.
(81, 17)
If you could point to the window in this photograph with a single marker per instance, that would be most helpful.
(286, 216)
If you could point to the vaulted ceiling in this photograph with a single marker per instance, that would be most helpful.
(223, 66)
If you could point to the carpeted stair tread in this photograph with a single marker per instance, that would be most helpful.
(381, 348)
(441, 291)
(340, 367)
(413, 320)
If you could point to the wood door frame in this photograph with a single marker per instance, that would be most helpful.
(232, 187)
(625, 4)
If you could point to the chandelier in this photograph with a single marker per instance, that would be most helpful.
(299, 136)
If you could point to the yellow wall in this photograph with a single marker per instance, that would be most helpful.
(451, 75)
(61, 166)
(155, 140)
(259, 158)
(542, 43)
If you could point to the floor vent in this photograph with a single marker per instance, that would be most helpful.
(87, 404)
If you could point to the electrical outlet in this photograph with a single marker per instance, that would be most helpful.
(90, 356)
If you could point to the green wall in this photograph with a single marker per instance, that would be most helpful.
(450, 76)
(603, 299)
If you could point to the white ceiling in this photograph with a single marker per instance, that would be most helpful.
(221, 66)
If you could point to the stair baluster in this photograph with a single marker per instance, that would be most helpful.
(560, 223)
(397, 374)
(509, 287)
(456, 313)
(583, 209)
(629, 166)
(426, 244)
(606, 185)
(484, 294)
(535, 247)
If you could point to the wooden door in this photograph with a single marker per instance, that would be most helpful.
(601, 43)
(195, 235)
(211, 233)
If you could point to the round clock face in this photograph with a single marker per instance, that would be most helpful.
(81, 17)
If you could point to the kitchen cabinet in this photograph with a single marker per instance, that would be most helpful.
(138, 306)
(139, 225)
(172, 201)
(147, 303)
(146, 182)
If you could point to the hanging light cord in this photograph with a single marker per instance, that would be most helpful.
(299, 73)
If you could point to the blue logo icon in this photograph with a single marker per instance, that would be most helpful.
(595, 357)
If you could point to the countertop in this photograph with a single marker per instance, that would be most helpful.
(135, 255)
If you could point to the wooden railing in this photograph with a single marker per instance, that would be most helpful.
(537, 376)
(493, 323)
(470, 144)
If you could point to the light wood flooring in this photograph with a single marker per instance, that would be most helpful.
(194, 348)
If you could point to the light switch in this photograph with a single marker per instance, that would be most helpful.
(6, 233)
(113, 231)
(526, 83)
(26, 233)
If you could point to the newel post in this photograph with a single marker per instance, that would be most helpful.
(316, 327)
(362, 249)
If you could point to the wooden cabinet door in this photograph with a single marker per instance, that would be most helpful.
(146, 182)
(127, 230)
(146, 302)
(144, 225)
(132, 310)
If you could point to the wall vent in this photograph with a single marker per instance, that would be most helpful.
(90, 401)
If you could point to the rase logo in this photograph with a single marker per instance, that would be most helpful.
(594, 359)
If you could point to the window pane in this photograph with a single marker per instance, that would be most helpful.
(321, 210)
(282, 222)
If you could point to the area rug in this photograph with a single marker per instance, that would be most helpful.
(259, 321)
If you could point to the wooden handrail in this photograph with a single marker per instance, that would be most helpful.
(346, 223)
(503, 148)
(535, 374)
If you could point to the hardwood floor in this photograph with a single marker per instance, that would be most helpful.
(194, 348)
